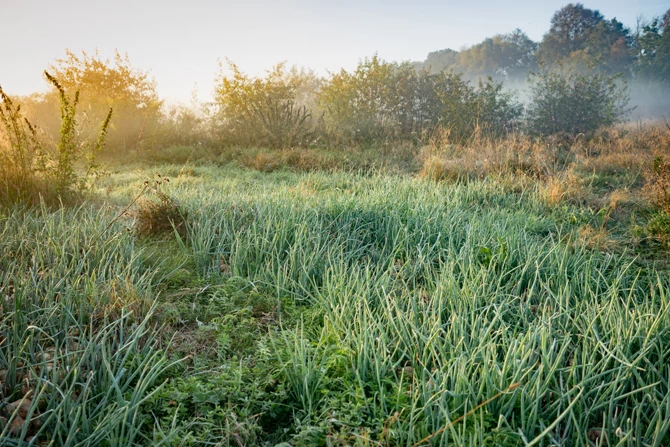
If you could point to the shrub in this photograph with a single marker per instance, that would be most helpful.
(105, 83)
(182, 126)
(472, 112)
(575, 102)
(382, 101)
(378, 101)
(263, 111)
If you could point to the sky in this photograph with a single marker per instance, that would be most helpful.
(179, 41)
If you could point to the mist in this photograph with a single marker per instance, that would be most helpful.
(650, 100)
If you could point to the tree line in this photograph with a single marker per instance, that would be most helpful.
(579, 37)
(577, 79)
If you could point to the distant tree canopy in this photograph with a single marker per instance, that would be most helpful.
(579, 37)
(504, 56)
(440, 60)
(583, 38)
(571, 28)
(510, 56)
(653, 45)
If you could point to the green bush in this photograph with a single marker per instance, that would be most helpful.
(263, 111)
(575, 102)
(382, 101)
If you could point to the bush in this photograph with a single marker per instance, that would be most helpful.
(469, 112)
(378, 101)
(105, 83)
(182, 126)
(575, 102)
(263, 111)
(382, 101)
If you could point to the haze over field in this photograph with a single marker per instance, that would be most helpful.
(179, 42)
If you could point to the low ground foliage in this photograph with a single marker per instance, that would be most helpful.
(321, 309)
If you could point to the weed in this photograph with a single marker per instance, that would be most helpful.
(29, 169)
(159, 214)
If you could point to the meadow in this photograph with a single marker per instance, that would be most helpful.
(207, 303)
(395, 255)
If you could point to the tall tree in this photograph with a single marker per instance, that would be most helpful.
(653, 50)
(582, 37)
(570, 29)
(506, 56)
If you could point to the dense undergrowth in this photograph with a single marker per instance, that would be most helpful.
(329, 309)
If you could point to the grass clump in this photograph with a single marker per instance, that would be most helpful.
(157, 213)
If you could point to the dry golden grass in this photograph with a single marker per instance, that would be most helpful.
(437, 168)
(657, 188)
(300, 160)
(515, 155)
(159, 214)
(565, 186)
(619, 198)
(307, 160)
(262, 161)
(595, 238)
(618, 161)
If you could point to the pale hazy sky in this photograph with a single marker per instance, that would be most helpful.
(179, 41)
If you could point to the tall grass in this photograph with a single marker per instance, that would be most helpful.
(429, 314)
(436, 298)
(77, 345)
(22, 155)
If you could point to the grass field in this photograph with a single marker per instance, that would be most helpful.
(471, 249)
(327, 309)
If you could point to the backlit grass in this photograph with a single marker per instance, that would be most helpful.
(332, 309)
